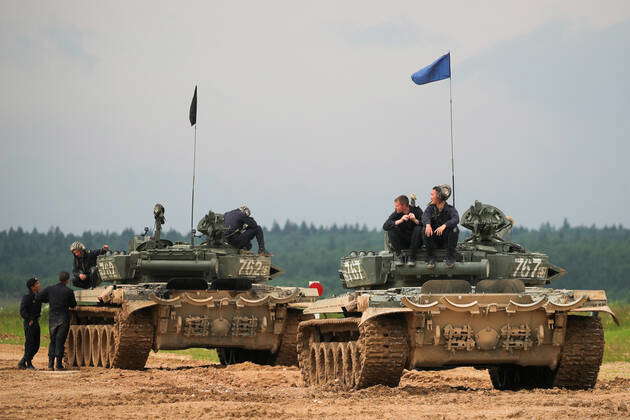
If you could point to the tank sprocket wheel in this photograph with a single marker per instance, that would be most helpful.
(133, 339)
(580, 359)
(287, 354)
(582, 353)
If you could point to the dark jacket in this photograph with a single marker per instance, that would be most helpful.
(390, 223)
(448, 216)
(234, 221)
(61, 298)
(85, 262)
(30, 307)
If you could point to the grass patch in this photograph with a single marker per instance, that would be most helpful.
(197, 354)
(12, 327)
(617, 337)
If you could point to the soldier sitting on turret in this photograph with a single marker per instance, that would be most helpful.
(242, 228)
(404, 228)
(440, 220)
(84, 273)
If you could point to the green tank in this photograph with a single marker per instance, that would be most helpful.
(161, 295)
(490, 311)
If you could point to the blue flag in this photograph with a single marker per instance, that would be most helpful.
(440, 69)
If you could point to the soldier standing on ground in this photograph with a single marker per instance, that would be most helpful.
(61, 299)
(242, 228)
(30, 310)
(441, 220)
(85, 273)
(404, 228)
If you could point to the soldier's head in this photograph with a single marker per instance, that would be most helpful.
(401, 204)
(440, 193)
(33, 284)
(245, 210)
(77, 248)
(64, 276)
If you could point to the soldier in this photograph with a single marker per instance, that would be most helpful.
(61, 299)
(242, 228)
(440, 220)
(30, 310)
(404, 228)
(84, 273)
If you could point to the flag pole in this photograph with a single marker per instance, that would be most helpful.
(192, 204)
(450, 90)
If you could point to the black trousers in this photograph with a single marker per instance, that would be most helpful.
(243, 240)
(406, 239)
(31, 343)
(447, 240)
(58, 335)
(92, 279)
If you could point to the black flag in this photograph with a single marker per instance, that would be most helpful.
(193, 109)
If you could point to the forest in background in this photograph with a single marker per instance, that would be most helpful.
(596, 258)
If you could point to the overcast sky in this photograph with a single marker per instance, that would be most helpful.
(307, 111)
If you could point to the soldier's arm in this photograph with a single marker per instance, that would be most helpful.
(43, 296)
(426, 216)
(23, 308)
(454, 219)
(390, 223)
(72, 302)
(250, 222)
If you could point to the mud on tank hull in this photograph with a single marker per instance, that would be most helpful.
(257, 325)
(539, 338)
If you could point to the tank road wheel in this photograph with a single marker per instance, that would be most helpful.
(580, 359)
(287, 353)
(85, 344)
(111, 344)
(133, 339)
(78, 345)
(378, 357)
(95, 348)
(69, 350)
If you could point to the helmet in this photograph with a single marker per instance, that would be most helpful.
(245, 210)
(77, 245)
(444, 191)
(412, 199)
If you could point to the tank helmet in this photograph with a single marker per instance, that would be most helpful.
(77, 245)
(412, 199)
(245, 210)
(443, 191)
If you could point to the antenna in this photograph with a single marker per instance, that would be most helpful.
(193, 121)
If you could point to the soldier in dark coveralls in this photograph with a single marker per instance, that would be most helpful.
(30, 310)
(440, 220)
(404, 228)
(61, 299)
(84, 273)
(242, 228)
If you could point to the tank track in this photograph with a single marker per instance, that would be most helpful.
(125, 344)
(377, 357)
(287, 354)
(580, 359)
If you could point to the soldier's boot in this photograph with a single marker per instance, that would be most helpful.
(51, 363)
(29, 365)
(22, 364)
(59, 365)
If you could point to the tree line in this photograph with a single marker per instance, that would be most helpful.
(596, 258)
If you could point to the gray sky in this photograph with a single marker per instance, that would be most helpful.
(307, 110)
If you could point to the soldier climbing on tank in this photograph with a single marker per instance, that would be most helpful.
(441, 231)
(30, 311)
(404, 229)
(242, 228)
(60, 298)
(84, 273)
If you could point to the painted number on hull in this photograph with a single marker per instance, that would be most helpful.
(352, 270)
(253, 268)
(529, 267)
(107, 270)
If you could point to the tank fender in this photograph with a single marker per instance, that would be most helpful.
(129, 308)
(371, 313)
(605, 309)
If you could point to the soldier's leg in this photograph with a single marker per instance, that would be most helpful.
(83, 284)
(395, 240)
(431, 243)
(35, 341)
(450, 242)
(243, 240)
(260, 239)
(23, 361)
(62, 334)
(93, 278)
(52, 346)
(416, 241)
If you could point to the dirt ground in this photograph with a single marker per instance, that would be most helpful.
(175, 387)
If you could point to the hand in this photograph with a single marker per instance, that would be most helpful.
(30, 323)
(428, 230)
(82, 276)
(440, 230)
(412, 217)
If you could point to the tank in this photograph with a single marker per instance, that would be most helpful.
(490, 311)
(161, 295)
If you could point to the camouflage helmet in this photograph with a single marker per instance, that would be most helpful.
(444, 191)
(245, 210)
(77, 245)
(412, 199)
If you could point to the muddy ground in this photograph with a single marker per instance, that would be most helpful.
(174, 387)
